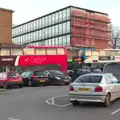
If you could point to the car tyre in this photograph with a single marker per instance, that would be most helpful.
(6, 86)
(75, 103)
(30, 83)
(107, 100)
(20, 86)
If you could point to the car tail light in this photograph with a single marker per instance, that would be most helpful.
(71, 88)
(33, 76)
(98, 89)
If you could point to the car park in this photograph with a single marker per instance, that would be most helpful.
(34, 78)
(94, 87)
(10, 79)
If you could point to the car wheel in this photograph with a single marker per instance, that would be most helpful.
(30, 83)
(20, 86)
(107, 100)
(75, 103)
(6, 86)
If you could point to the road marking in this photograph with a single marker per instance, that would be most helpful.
(115, 111)
(12, 119)
(51, 101)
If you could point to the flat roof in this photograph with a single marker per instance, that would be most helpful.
(70, 6)
(4, 9)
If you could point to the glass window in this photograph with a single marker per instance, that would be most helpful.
(29, 37)
(28, 51)
(64, 38)
(68, 13)
(45, 20)
(5, 51)
(46, 42)
(51, 51)
(89, 79)
(68, 27)
(28, 26)
(64, 14)
(49, 20)
(60, 16)
(60, 41)
(64, 28)
(39, 34)
(56, 17)
(56, 29)
(53, 18)
(68, 40)
(60, 29)
(50, 31)
(39, 23)
(108, 80)
(40, 51)
(43, 33)
(42, 20)
(50, 42)
(57, 41)
(36, 37)
(53, 31)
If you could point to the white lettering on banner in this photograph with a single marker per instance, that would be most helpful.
(7, 59)
(37, 60)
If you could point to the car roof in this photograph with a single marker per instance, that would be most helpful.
(98, 74)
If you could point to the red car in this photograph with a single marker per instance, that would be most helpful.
(10, 79)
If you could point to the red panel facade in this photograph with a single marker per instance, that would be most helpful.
(89, 29)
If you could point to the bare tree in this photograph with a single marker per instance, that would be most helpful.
(115, 37)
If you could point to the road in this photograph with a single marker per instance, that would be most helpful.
(50, 103)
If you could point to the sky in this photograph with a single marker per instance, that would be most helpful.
(26, 10)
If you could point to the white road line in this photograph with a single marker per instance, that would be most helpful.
(12, 119)
(115, 111)
(51, 101)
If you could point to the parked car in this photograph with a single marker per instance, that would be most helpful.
(34, 78)
(56, 77)
(9, 79)
(94, 87)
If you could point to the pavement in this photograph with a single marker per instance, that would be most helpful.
(51, 103)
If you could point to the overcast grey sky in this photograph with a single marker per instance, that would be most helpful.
(29, 9)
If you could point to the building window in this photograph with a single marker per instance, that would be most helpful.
(50, 31)
(49, 20)
(64, 40)
(64, 28)
(60, 41)
(60, 16)
(60, 29)
(42, 22)
(68, 27)
(64, 14)
(39, 23)
(56, 29)
(53, 30)
(68, 13)
(56, 17)
(53, 18)
(68, 40)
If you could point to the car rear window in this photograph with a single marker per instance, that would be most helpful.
(89, 79)
(10, 75)
(39, 73)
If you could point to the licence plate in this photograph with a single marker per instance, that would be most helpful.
(42, 80)
(84, 89)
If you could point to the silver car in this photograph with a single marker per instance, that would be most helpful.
(94, 87)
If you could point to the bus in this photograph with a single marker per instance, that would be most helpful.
(34, 57)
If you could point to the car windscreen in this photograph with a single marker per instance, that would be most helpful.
(38, 73)
(89, 79)
(55, 72)
(11, 75)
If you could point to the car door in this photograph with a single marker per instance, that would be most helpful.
(116, 84)
(110, 87)
(1, 82)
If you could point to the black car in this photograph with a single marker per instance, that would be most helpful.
(56, 77)
(34, 78)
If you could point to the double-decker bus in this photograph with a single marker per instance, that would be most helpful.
(34, 57)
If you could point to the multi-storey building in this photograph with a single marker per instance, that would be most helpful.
(70, 26)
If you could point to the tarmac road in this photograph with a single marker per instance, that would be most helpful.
(50, 103)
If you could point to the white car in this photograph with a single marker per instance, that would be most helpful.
(94, 87)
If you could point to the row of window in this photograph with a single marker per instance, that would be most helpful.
(42, 22)
(44, 33)
(58, 41)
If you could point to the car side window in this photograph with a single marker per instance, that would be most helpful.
(4, 76)
(114, 79)
(108, 80)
